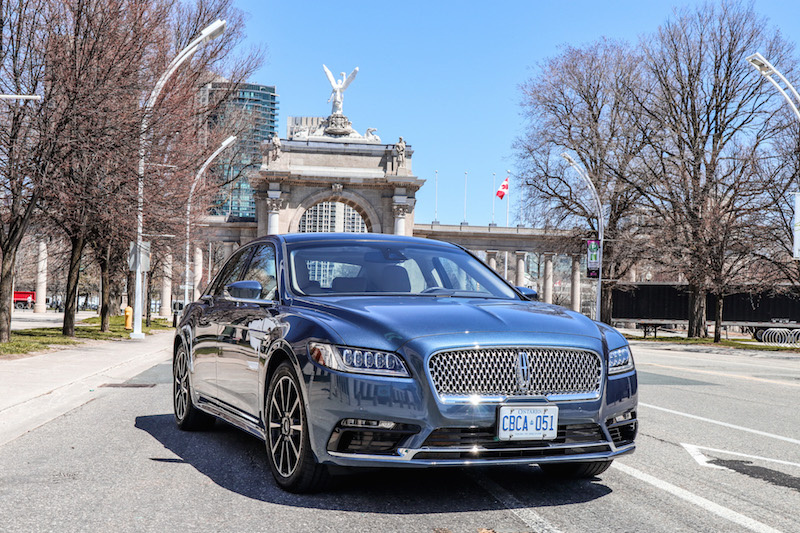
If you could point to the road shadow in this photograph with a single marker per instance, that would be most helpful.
(237, 462)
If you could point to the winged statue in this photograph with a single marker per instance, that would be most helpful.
(338, 88)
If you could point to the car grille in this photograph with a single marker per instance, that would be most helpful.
(519, 371)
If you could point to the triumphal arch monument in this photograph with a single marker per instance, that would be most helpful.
(363, 183)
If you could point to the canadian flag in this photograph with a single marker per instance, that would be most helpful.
(503, 190)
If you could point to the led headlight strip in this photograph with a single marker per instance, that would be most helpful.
(357, 360)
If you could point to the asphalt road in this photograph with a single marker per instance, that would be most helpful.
(718, 450)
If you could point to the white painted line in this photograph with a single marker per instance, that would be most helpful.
(531, 518)
(694, 451)
(694, 499)
(724, 424)
(701, 459)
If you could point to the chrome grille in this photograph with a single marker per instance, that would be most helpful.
(516, 371)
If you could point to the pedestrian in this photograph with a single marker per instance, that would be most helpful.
(30, 302)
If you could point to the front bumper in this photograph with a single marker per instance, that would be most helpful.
(432, 433)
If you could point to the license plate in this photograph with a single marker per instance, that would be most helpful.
(527, 423)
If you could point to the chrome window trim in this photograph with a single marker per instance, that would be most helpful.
(476, 399)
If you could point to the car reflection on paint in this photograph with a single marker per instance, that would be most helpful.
(378, 350)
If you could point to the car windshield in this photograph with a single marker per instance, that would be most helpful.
(356, 268)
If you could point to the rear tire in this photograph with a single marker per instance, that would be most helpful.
(289, 453)
(187, 416)
(575, 470)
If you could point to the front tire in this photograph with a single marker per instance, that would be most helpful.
(187, 416)
(575, 470)
(291, 459)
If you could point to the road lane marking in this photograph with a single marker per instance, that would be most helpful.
(728, 360)
(725, 424)
(531, 518)
(722, 374)
(701, 459)
(694, 499)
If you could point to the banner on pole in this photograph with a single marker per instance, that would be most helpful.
(593, 259)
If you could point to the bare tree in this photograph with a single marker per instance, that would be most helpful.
(707, 116)
(581, 103)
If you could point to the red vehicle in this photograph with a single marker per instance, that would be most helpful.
(21, 299)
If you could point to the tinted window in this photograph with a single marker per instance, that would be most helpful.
(262, 269)
(231, 271)
(344, 267)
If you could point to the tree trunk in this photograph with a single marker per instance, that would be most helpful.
(131, 287)
(73, 276)
(697, 312)
(147, 301)
(105, 289)
(6, 294)
(605, 304)
(718, 319)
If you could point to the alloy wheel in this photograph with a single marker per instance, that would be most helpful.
(180, 387)
(285, 426)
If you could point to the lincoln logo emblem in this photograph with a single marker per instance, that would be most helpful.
(523, 370)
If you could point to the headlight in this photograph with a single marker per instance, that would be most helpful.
(357, 360)
(620, 360)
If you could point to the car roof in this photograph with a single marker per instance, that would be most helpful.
(293, 238)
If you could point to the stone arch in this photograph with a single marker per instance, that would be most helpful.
(361, 205)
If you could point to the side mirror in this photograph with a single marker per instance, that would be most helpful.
(246, 289)
(528, 293)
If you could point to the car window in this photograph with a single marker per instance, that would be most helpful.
(336, 267)
(231, 272)
(262, 269)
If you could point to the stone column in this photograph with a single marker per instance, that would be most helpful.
(400, 211)
(520, 279)
(548, 278)
(41, 280)
(198, 272)
(273, 215)
(166, 288)
(491, 258)
(575, 289)
(227, 250)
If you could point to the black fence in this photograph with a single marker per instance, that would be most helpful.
(661, 302)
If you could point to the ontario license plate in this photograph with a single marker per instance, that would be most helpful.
(528, 423)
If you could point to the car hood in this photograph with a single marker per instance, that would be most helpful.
(387, 323)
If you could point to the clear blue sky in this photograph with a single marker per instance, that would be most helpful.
(444, 75)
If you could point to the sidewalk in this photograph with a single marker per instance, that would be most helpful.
(35, 390)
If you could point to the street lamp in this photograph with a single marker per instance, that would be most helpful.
(212, 31)
(582, 173)
(766, 69)
(20, 97)
(770, 72)
(227, 142)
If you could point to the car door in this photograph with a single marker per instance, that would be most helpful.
(214, 308)
(251, 323)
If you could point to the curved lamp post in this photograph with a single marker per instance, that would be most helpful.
(226, 143)
(770, 72)
(212, 31)
(766, 69)
(600, 226)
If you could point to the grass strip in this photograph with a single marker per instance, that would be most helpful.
(709, 341)
(25, 341)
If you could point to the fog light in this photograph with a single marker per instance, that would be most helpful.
(361, 423)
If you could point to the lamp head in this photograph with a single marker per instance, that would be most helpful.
(229, 141)
(760, 63)
(213, 30)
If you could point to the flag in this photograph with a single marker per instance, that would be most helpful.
(503, 190)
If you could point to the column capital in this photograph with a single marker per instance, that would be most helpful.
(401, 210)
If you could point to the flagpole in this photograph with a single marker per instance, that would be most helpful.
(465, 196)
(436, 196)
(508, 204)
(493, 196)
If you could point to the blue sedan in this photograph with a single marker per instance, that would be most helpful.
(379, 350)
